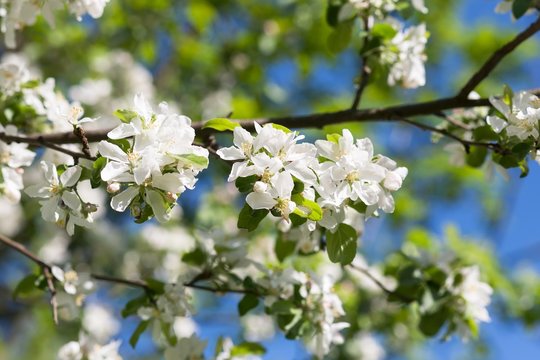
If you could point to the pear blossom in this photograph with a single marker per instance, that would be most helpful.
(520, 118)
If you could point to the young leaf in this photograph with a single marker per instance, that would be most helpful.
(249, 219)
(247, 348)
(248, 302)
(26, 285)
(125, 115)
(341, 244)
(520, 7)
(314, 211)
(134, 339)
(220, 124)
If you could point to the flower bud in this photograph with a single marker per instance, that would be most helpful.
(260, 187)
(113, 188)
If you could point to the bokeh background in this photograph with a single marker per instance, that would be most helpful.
(269, 58)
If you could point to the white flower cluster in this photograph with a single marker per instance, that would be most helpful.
(348, 172)
(156, 165)
(13, 157)
(87, 349)
(520, 117)
(379, 8)
(16, 14)
(61, 202)
(173, 303)
(319, 304)
(406, 55)
(16, 78)
(473, 297)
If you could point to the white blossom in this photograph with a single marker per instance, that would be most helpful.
(407, 61)
(99, 322)
(520, 119)
(62, 204)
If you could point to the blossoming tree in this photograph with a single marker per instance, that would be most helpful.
(153, 216)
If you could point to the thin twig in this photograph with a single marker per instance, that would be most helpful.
(364, 74)
(80, 133)
(45, 268)
(372, 278)
(496, 57)
(466, 143)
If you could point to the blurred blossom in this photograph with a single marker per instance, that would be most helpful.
(217, 104)
(184, 327)
(11, 217)
(258, 327)
(55, 250)
(99, 322)
(364, 346)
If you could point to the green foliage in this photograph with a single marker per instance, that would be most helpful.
(249, 218)
(220, 124)
(341, 245)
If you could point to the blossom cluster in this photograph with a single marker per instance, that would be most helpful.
(13, 157)
(472, 298)
(151, 160)
(290, 291)
(16, 14)
(519, 115)
(333, 174)
(401, 49)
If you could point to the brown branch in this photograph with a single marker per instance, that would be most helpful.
(466, 143)
(364, 73)
(372, 278)
(497, 56)
(41, 140)
(46, 268)
(80, 133)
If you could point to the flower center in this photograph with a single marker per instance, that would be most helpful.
(352, 177)
(4, 157)
(247, 148)
(266, 176)
(133, 157)
(283, 206)
(71, 276)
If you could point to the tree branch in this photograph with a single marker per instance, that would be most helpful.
(46, 268)
(497, 56)
(466, 143)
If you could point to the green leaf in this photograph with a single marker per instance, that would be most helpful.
(340, 38)
(333, 138)
(282, 128)
(134, 339)
(359, 206)
(284, 247)
(155, 285)
(332, 13)
(123, 144)
(248, 302)
(314, 210)
(431, 323)
(26, 285)
(383, 30)
(220, 124)
(133, 306)
(520, 7)
(282, 307)
(196, 257)
(192, 159)
(245, 184)
(476, 156)
(97, 166)
(125, 115)
(249, 219)
(247, 348)
(341, 245)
